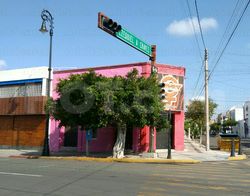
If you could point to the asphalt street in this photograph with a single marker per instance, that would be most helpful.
(60, 177)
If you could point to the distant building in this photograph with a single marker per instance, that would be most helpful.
(236, 114)
(222, 117)
(246, 109)
(22, 101)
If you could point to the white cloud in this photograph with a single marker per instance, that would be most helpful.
(200, 98)
(189, 26)
(2, 64)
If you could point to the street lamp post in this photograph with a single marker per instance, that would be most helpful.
(47, 17)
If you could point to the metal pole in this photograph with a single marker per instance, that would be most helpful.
(207, 102)
(232, 148)
(152, 135)
(87, 143)
(46, 16)
(239, 150)
(169, 135)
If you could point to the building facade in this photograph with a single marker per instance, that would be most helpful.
(246, 109)
(137, 138)
(22, 101)
(236, 114)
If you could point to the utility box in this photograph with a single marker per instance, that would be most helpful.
(225, 141)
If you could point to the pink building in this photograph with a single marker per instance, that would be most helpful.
(137, 138)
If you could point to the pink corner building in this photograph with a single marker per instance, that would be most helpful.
(137, 139)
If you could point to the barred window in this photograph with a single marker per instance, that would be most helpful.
(21, 90)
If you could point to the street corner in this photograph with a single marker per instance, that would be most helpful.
(157, 161)
(238, 158)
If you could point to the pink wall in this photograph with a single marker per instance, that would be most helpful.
(140, 135)
(169, 69)
(178, 132)
(103, 143)
(108, 71)
(56, 135)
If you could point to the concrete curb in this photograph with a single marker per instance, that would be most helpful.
(238, 158)
(158, 161)
(109, 159)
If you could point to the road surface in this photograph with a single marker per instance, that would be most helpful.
(60, 177)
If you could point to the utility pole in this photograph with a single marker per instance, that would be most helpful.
(152, 130)
(206, 101)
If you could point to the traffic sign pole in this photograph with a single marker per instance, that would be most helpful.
(109, 26)
(153, 68)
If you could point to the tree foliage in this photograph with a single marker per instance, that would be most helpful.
(93, 101)
(195, 114)
(226, 125)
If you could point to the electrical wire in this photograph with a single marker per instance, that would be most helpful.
(229, 39)
(201, 90)
(196, 38)
(230, 22)
(197, 42)
(198, 17)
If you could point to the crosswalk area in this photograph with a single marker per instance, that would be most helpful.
(211, 178)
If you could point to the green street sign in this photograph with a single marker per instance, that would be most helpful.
(133, 41)
(113, 28)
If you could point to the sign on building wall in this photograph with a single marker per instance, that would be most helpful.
(174, 91)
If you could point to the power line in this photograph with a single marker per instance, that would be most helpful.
(241, 16)
(236, 54)
(197, 42)
(230, 22)
(230, 100)
(196, 38)
(201, 90)
(198, 17)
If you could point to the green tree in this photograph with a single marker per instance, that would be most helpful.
(135, 100)
(80, 102)
(228, 124)
(215, 127)
(195, 113)
(94, 101)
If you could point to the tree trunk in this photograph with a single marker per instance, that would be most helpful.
(201, 136)
(118, 150)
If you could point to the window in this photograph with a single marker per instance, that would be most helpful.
(94, 133)
(21, 90)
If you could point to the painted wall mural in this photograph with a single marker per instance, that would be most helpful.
(174, 91)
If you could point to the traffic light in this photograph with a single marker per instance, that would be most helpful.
(108, 25)
(111, 25)
(162, 91)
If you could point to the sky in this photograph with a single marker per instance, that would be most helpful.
(78, 43)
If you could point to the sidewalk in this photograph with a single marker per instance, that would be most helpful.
(193, 153)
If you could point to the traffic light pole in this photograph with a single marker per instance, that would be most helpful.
(152, 130)
(169, 135)
(113, 28)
